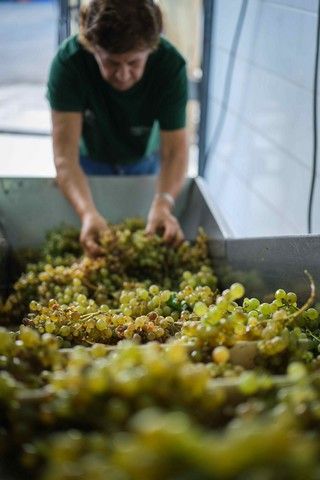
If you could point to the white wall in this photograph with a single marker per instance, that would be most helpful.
(260, 170)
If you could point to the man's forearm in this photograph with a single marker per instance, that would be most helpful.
(174, 161)
(172, 173)
(74, 185)
(169, 184)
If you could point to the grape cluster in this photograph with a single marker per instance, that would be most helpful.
(165, 404)
(99, 324)
(131, 259)
(134, 365)
(190, 452)
(274, 328)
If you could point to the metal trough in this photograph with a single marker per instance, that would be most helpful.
(31, 206)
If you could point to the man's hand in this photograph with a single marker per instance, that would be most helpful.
(160, 218)
(66, 133)
(92, 225)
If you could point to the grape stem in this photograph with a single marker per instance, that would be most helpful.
(310, 300)
(88, 284)
(312, 335)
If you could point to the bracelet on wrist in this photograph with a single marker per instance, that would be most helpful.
(166, 196)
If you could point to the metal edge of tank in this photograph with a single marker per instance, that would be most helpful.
(29, 207)
(265, 264)
(199, 211)
(262, 264)
(4, 259)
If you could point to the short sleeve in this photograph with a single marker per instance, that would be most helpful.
(173, 101)
(63, 88)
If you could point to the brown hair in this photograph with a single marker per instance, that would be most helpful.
(119, 26)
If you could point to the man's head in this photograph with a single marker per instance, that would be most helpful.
(121, 34)
(122, 70)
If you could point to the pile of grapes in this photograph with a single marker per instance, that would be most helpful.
(134, 365)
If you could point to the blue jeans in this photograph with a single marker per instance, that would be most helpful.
(148, 165)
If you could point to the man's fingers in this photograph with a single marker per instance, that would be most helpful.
(170, 229)
(151, 228)
(92, 248)
(179, 237)
(172, 232)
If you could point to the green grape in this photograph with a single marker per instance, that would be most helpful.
(236, 291)
(29, 337)
(312, 313)
(280, 294)
(248, 383)
(297, 371)
(65, 331)
(221, 355)
(6, 341)
(253, 303)
(200, 309)
(101, 324)
(265, 309)
(96, 381)
(154, 289)
(291, 297)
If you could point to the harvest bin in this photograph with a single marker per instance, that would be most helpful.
(29, 207)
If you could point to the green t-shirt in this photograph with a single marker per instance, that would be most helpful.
(119, 127)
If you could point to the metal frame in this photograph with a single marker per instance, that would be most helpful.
(204, 87)
(28, 133)
(67, 11)
(63, 20)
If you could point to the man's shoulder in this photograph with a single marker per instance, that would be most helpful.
(70, 49)
(167, 52)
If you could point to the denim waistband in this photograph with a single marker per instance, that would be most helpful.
(148, 165)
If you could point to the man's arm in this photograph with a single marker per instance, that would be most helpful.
(66, 132)
(174, 160)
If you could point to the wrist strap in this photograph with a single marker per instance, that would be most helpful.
(167, 196)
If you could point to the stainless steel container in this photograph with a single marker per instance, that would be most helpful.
(31, 206)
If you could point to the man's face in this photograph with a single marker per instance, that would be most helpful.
(121, 70)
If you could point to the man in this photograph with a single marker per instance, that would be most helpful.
(110, 88)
